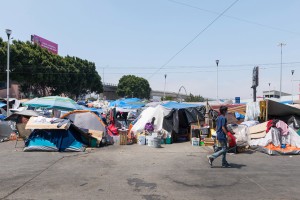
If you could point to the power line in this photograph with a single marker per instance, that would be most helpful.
(174, 72)
(236, 18)
(211, 23)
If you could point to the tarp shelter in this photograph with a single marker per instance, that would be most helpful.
(270, 144)
(128, 104)
(159, 112)
(28, 113)
(50, 137)
(5, 129)
(181, 116)
(280, 111)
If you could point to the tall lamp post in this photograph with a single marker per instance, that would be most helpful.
(8, 32)
(281, 45)
(269, 90)
(217, 62)
(293, 71)
(165, 87)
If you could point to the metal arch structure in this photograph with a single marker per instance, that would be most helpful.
(180, 94)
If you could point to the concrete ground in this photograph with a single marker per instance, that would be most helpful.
(177, 171)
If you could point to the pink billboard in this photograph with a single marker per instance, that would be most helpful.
(51, 46)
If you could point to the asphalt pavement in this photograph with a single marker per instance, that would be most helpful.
(178, 171)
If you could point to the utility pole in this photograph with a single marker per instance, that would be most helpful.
(217, 62)
(281, 45)
(8, 32)
(293, 71)
(165, 87)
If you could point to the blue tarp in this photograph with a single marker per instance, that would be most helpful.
(54, 140)
(175, 105)
(2, 104)
(130, 103)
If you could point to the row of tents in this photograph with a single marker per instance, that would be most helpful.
(87, 126)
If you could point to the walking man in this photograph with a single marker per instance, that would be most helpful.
(222, 138)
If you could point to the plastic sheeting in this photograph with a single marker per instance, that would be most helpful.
(252, 111)
(178, 120)
(159, 112)
(271, 143)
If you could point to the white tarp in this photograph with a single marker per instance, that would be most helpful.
(272, 137)
(159, 112)
(252, 111)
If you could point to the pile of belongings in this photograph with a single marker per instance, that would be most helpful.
(275, 137)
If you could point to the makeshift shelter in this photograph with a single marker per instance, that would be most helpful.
(272, 143)
(55, 136)
(181, 116)
(159, 112)
(27, 113)
(280, 111)
(86, 120)
(5, 130)
(126, 105)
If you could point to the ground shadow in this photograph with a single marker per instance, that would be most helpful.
(233, 166)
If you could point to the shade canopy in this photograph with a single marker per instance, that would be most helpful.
(54, 102)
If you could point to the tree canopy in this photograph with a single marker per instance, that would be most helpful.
(133, 86)
(40, 72)
(196, 98)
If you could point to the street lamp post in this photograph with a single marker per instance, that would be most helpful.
(281, 45)
(269, 90)
(165, 87)
(8, 32)
(217, 62)
(293, 71)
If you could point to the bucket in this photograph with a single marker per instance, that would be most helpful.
(156, 142)
(195, 141)
(150, 141)
(141, 140)
(168, 140)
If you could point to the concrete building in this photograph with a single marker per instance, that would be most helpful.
(274, 94)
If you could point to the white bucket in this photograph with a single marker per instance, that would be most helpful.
(141, 140)
(195, 141)
(116, 140)
(150, 141)
(157, 142)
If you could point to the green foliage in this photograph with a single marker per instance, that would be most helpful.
(168, 98)
(133, 86)
(196, 98)
(40, 72)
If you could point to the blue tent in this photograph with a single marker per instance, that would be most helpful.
(55, 140)
(130, 103)
(175, 105)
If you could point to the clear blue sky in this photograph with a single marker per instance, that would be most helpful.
(140, 36)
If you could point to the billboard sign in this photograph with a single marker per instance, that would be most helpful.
(51, 46)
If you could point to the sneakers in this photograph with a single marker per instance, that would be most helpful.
(226, 165)
(210, 160)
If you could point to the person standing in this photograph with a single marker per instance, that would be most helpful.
(222, 138)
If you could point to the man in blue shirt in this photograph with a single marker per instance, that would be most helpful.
(222, 138)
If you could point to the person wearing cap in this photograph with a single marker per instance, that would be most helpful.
(222, 138)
